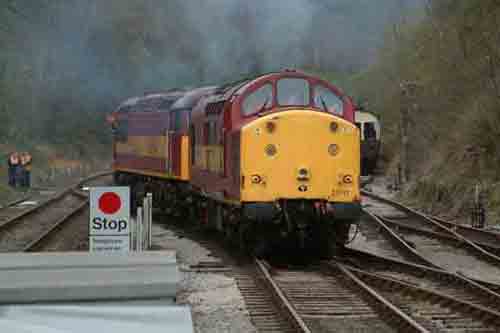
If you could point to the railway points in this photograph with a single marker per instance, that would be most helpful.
(437, 244)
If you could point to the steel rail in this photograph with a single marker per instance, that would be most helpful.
(473, 246)
(445, 226)
(395, 315)
(23, 243)
(15, 202)
(488, 295)
(405, 322)
(38, 243)
(487, 239)
(409, 251)
(60, 195)
(419, 258)
(480, 312)
(280, 298)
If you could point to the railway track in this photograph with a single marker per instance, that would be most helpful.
(375, 236)
(488, 240)
(483, 239)
(436, 311)
(333, 299)
(385, 295)
(36, 228)
(434, 279)
(436, 244)
(358, 292)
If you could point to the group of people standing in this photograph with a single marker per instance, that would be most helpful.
(19, 165)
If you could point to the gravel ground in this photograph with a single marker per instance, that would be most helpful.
(215, 301)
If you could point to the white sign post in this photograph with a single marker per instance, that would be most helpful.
(109, 225)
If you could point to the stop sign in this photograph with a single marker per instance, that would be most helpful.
(109, 223)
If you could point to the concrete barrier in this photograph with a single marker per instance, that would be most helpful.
(83, 318)
(61, 277)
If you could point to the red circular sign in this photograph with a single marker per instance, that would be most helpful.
(109, 203)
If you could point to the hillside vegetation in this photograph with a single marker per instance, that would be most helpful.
(454, 56)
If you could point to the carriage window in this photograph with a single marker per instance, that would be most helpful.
(293, 92)
(260, 99)
(325, 99)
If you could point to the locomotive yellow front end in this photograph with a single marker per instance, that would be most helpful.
(305, 165)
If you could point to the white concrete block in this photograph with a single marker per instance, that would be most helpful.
(49, 277)
(83, 318)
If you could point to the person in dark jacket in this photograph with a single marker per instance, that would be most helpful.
(12, 162)
(25, 169)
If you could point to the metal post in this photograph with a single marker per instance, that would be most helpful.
(404, 146)
(138, 234)
(145, 203)
(150, 220)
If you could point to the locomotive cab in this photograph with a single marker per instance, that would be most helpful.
(299, 160)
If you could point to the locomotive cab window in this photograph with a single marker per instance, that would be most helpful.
(326, 100)
(258, 100)
(293, 92)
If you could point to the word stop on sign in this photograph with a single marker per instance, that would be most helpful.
(109, 225)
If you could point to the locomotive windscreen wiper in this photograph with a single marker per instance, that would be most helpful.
(262, 108)
(323, 103)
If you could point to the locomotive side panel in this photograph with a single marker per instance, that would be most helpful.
(150, 150)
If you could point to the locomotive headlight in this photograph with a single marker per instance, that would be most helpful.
(333, 149)
(256, 179)
(271, 150)
(334, 126)
(270, 126)
(347, 179)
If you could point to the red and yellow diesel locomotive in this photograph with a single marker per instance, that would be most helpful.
(269, 161)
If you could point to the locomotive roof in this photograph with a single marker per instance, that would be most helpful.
(226, 91)
(190, 98)
(151, 102)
